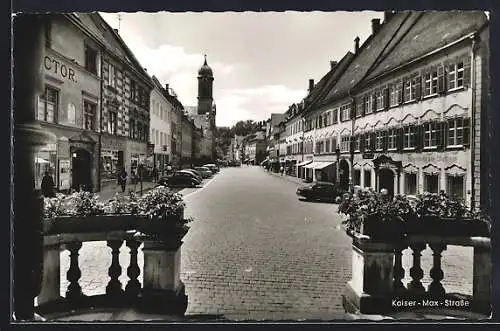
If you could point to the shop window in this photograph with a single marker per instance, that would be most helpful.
(45, 161)
(89, 113)
(48, 105)
(456, 76)
(431, 183)
(456, 187)
(431, 135)
(368, 178)
(91, 59)
(411, 184)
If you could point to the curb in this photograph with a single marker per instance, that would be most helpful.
(285, 177)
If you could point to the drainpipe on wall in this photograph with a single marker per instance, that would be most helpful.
(473, 114)
(100, 129)
(351, 148)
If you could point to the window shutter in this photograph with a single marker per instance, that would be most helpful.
(384, 140)
(401, 98)
(419, 137)
(373, 138)
(386, 98)
(441, 80)
(467, 72)
(441, 136)
(334, 144)
(374, 102)
(467, 130)
(363, 107)
(399, 138)
(362, 143)
(352, 112)
(418, 87)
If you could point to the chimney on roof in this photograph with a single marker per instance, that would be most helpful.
(167, 88)
(356, 45)
(311, 84)
(333, 64)
(116, 31)
(375, 25)
(387, 15)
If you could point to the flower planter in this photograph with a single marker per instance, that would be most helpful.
(445, 226)
(94, 223)
(378, 230)
(170, 229)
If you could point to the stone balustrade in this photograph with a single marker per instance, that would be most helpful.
(161, 292)
(377, 286)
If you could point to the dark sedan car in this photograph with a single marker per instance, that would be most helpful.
(180, 179)
(324, 191)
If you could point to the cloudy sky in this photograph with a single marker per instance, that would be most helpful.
(261, 61)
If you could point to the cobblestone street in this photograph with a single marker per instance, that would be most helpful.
(256, 252)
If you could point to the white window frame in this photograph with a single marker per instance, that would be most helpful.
(357, 143)
(368, 104)
(430, 84)
(379, 100)
(111, 75)
(344, 143)
(455, 129)
(379, 140)
(391, 140)
(345, 110)
(368, 140)
(455, 73)
(431, 133)
(408, 133)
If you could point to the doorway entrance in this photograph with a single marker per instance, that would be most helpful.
(81, 166)
(386, 180)
(344, 174)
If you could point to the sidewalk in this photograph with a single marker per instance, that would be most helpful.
(109, 191)
(292, 179)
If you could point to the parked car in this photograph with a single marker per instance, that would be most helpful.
(204, 171)
(179, 179)
(195, 173)
(213, 167)
(324, 191)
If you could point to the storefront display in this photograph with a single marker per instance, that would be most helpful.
(45, 161)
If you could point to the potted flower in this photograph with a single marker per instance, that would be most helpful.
(162, 214)
(439, 214)
(377, 215)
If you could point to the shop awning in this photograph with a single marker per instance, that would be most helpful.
(304, 163)
(40, 160)
(318, 165)
(322, 165)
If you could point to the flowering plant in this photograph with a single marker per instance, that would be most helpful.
(161, 203)
(440, 204)
(83, 203)
(367, 203)
(54, 207)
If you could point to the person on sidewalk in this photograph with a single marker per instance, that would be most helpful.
(47, 185)
(155, 174)
(282, 170)
(122, 179)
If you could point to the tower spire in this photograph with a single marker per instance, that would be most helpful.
(205, 59)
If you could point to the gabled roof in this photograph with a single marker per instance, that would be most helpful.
(367, 55)
(327, 81)
(107, 36)
(431, 31)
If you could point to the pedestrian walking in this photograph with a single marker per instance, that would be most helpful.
(47, 185)
(282, 170)
(122, 179)
(155, 174)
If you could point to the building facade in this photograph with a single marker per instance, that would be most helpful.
(160, 130)
(187, 127)
(70, 103)
(405, 116)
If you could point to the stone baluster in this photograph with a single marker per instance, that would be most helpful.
(74, 273)
(399, 271)
(133, 287)
(115, 270)
(50, 291)
(436, 289)
(416, 272)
